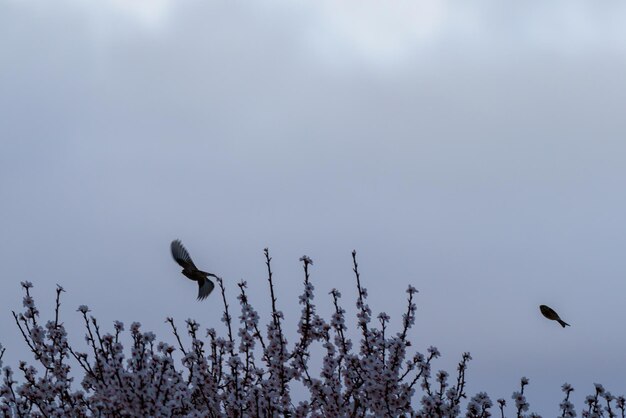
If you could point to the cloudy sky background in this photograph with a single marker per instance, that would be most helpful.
(475, 151)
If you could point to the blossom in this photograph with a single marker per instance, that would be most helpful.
(252, 368)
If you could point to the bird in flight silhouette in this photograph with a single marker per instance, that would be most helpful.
(205, 285)
(549, 313)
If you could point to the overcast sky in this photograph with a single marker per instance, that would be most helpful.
(475, 151)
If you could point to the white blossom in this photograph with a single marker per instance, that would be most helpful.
(251, 371)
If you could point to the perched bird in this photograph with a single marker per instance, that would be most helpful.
(190, 270)
(549, 313)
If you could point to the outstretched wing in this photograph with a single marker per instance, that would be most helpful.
(205, 288)
(181, 255)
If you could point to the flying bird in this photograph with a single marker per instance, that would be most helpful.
(549, 313)
(205, 285)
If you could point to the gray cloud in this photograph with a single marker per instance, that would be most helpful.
(480, 161)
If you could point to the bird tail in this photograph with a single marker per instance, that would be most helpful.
(563, 323)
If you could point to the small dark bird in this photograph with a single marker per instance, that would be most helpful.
(205, 285)
(549, 313)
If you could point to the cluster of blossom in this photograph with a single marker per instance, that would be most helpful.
(251, 373)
